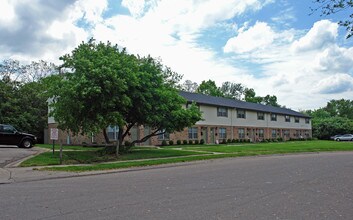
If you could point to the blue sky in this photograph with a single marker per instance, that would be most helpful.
(273, 46)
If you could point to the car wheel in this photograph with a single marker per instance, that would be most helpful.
(338, 139)
(26, 143)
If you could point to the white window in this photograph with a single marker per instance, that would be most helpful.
(307, 121)
(192, 133)
(260, 116)
(113, 132)
(273, 117)
(164, 136)
(274, 133)
(261, 133)
(241, 113)
(241, 133)
(222, 133)
(287, 118)
(222, 112)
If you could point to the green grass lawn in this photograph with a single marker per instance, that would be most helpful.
(70, 147)
(183, 153)
(274, 148)
(94, 156)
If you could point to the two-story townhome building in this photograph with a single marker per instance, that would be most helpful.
(222, 119)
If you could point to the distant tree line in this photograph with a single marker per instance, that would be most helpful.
(229, 90)
(335, 118)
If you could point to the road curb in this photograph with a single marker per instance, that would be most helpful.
(5, 176)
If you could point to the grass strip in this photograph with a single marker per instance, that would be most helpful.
(87, 157)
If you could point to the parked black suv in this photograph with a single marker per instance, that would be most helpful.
(10, 136)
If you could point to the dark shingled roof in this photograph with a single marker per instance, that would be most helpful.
(233, 103)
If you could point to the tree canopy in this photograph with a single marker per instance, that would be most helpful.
(103, 85)
(209, 88)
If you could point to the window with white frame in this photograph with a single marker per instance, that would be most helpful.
(113, 132)
(307, 121)
(273, 117)
(274, 133)
(241, 113)
(261, 133)
(192, 133)
(287, 118)
(241, 133)
(222, 112)
(164, 135)
(260, 116)
(296, 119)
(222, 133)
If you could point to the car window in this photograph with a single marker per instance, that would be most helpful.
(8, 129)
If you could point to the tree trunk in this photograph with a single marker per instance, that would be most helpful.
(119, 141)
(117, 148)
(106, 136)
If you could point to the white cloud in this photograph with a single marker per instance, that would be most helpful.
(294, 76)
(322, 34)
(256, 37)
(8, 15)
(335, 59)
(90, 10)
(292, 64)
(337, 83)
(136, 7)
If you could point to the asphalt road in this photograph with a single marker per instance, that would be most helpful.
(10, 154)
(308, 186)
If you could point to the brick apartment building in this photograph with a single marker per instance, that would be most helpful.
(222, 119)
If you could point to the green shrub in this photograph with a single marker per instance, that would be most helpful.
(229, 141)
(279, 139)
(178, 142)
(196, 142)
(164, 143)
(202, 141)
(171, 142)
(191, 142)
(224, 141)
(127, 143)
(240, 140)
(185, 142)
(234, 141)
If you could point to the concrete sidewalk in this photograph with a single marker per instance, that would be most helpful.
(14, 174)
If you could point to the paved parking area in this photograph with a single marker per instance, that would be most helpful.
(9, 154)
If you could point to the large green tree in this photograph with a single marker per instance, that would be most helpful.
(103, 85)
(329, 7)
